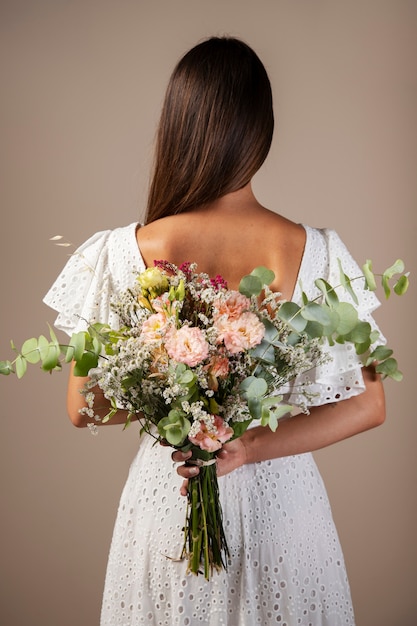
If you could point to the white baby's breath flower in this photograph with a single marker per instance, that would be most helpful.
(93, 429)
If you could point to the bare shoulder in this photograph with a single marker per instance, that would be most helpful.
(284, 228)
(157, 239)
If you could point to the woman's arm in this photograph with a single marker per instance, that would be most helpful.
(324, 425)
(76, 401)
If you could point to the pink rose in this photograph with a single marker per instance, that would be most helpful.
(187, 345)
(240, 334)
(212, 440)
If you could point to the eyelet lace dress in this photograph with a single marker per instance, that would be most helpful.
(286, 565)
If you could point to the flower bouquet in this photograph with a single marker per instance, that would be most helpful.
(195, 363)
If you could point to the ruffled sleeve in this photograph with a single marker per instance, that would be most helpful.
(341, 376)
(100, 267)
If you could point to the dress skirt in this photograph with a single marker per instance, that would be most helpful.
(286, 565)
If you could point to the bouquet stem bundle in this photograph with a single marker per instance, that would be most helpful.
(205, 543)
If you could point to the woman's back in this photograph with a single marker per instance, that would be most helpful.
(229, 237)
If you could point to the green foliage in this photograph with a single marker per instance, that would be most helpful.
(267, 409)
(84, 349)
(6, 368)
(401, 284)
(252, 284)
(327, 317)
(174, 427)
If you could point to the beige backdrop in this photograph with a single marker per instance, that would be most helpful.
(82, 83)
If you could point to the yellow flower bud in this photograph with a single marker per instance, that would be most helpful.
(153, 279)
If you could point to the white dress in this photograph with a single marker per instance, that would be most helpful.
(286, 565)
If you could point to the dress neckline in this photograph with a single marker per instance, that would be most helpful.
(296, 294)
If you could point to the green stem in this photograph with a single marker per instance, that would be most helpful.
(203, 499)
(195, 530)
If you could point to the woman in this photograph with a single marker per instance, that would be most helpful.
(286, 565)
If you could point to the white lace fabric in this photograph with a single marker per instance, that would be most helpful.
(286, 565)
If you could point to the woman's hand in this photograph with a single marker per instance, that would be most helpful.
(232, 455)
(323, 426)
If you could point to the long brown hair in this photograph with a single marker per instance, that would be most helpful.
(215, 129)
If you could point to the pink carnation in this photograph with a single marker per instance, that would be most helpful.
(240, 334)
(212, 440)
(233, 305)
(154, 327)
(187, 345)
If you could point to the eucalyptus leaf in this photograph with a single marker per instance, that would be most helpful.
(51, 359)
(53, 336)
(21, 366)
(314, 312)
(187, 378)
(385, 286)
(396, 268)
(267, 418)
(389, 367)
(328, 291)
(359, 334)
(30, 350)
(401, 285)
(363, 347)
(254, 387)
(6, 368)
(250, 286)
(264, 352)
(375, 334)
(179, 369)
(85, 364)
(314, 330)
(77, 343)
(289, 312)
(379, 354)
(370, 281)
(174, 427)
(348, 318)
(271, 333)
(255, 407)
(43, 347)
(96, 345)
(346, 283)
(265, 275)
(272, 401)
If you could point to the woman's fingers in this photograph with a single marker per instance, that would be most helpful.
(184, 470)
(180, 457)
(184, 488)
